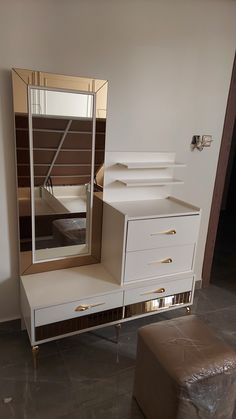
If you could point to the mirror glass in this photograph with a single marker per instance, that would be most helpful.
(62, 172)
(60, 140)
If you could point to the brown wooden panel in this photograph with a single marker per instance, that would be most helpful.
(99, 157)
(100, 125)
(71, 170)
(49, 123)
(23, 182)
(44, 157)
(82, 125)
(23, 156)
(69, 180)
(73, 157)
(80, 323)
(22, 138)
(100, 141)
(39, 181)
(46, 139)
(40, 170)
(97, 225)
(75, 140)
(25, 227)
(23, 170)
(21, 121)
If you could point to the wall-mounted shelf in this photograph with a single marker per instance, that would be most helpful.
(131, 176)
(150, 182)
(150, 165)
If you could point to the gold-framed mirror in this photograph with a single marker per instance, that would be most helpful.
(60, 124)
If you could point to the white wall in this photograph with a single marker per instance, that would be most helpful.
(168, 63)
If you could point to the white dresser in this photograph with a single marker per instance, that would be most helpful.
(147, 266)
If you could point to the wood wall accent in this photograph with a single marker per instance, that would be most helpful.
(73, 164)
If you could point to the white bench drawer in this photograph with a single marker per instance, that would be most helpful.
(78, 308)
(155, 262)
(158, 290)
(160, 232)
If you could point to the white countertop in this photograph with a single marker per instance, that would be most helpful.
(168, 207)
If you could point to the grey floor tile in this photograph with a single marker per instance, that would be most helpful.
(212, 299)
(122, 407)
(223, 322)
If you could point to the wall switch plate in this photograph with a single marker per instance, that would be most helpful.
(200, 142)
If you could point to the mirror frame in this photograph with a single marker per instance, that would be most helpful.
(36, 79)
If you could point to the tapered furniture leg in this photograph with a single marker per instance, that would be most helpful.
(35, 351)
(118, 328)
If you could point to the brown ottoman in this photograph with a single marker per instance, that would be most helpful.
(184, 372)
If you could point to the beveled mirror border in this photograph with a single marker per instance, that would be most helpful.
(26, 257)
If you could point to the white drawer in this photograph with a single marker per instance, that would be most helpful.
(78, 308)
(160, 232)
(156, 262)
(157, 290)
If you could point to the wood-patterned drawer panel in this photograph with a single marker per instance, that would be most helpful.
(77, 308)
(156, 262)
(160, 289)
(161, 232)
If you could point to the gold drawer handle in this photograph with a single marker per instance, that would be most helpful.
(159, 291)
(84, 307)
(168, 232)
(167, 260)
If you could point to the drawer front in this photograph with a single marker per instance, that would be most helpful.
(77, 308)
(161, 232)
(158, 290)
(156, 262)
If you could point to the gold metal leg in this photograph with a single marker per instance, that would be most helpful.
(188, 310)
(118, 328)
(35, 351)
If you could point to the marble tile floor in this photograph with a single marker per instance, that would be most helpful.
(89, 376)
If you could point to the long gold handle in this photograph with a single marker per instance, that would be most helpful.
(167, 260)
(159, 291)
(168, 232)
(84, 307)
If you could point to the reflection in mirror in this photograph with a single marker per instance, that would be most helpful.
(60, 126)
(62, 171)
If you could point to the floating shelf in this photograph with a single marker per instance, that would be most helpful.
(149, 182)
(150, 165)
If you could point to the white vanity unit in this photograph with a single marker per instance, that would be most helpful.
(147, 264)
(128, 251)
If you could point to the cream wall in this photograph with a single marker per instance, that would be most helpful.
(168, 63)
